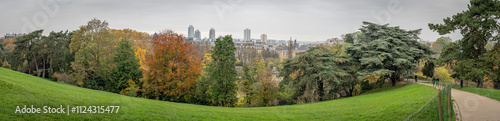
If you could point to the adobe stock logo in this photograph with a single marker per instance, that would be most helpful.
(222, 7)
(385, 16)
(41, 18)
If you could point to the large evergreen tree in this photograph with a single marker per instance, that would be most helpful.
(388, 52)
(478, 25)
(317, 73)
(223, 72)
(127, 67)
(492, 64)
(349, 38)
(428, 69)
(22, 52)
(53, 54)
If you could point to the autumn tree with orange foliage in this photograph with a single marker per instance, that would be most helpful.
(173, 68)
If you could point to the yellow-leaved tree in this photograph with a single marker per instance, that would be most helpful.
(141, 56)
(442, 74)
(206, 61)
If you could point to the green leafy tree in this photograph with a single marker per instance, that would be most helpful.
(1, 52)
(49, 57)
(349, 38)
(492, 65)
(478, 25)
(202, 94)
(93, 48)
(223, 72)
(257, 85)
(266, 90)
(247, 84)
(438, 45)
(23, 51)
(315, 73)
(52, 54)
(1, 44)
(58, 53)
(449, 55)
(428, 69)
(339, 49)
(127, 67)
(442, 74)
(388, 52)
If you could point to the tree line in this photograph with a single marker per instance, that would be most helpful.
(166, 67)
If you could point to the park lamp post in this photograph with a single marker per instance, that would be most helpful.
(461, 68)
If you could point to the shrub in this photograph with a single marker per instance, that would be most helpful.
(95, 83)
(64, 78)
(55, 77)
(131, 90)
(6, 65)
(442, 74)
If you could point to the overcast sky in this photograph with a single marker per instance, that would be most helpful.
(304, 20)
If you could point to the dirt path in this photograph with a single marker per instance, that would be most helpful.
(474, 107)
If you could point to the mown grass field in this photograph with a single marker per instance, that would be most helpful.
(18, 89)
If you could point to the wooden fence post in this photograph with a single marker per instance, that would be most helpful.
(439, 106)
(448, 92)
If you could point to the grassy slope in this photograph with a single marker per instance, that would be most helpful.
(491, 93)
(18, 89)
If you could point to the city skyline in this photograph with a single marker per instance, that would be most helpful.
(247, 34)
(310, 20)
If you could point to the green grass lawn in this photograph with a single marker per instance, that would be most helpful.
(18, 89)
(491, 93)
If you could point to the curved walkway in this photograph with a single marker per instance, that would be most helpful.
(474, 107)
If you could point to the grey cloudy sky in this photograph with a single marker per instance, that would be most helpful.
(304, 20)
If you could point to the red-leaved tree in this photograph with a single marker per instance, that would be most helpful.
(173, 68)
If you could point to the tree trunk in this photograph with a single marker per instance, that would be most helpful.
(320, 90)
(351, 90)
(480, 83)
(393, 80)
(44, 68)
(36, 66)
(347, 93)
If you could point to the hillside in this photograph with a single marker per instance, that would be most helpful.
(18, 89)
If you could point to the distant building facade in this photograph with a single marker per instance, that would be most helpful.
(212, 34)
(263, 38)
(247, 34)
(296, 48)
(191, 31)
(13, 35)
(197, 34)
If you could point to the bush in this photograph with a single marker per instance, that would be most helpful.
(366, 86)
(64, 78)
(202, 92)
(6, 65)
(442, 74)
(55, 76)
(420, 76)
(131, 90)
(96, 83)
